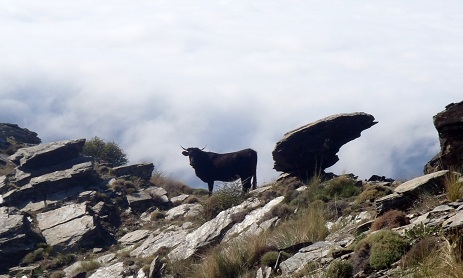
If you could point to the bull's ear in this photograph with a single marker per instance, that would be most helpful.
(185, 153)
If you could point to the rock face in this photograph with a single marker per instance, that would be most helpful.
(449, 125)
(313, 148)
(12, 134)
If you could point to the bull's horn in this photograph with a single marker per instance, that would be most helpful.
(204, 147)
(183, 147)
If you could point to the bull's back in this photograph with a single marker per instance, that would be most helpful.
(232, 165)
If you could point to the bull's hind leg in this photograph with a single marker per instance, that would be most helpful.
(210, 185)
(246, 184)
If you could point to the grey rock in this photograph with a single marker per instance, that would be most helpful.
(70, 227)
(314, 147)
(45, 155)
(210, 232)
(313, 253)
(251, 219)
(185, 210)
(113, 271)
(141, 170)
(179, 199)
(154, 243)
(134, 237)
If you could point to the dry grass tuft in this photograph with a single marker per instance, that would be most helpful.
(174, 188)
(389, 220)
(453, 186)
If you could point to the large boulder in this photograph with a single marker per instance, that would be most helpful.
(312, 148)
(449, 125)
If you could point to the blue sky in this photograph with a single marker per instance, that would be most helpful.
(154, 75)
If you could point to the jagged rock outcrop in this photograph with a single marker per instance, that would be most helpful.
(313, 148)
(406, 193)
(13, 137)
(17, 238)
(449, 125)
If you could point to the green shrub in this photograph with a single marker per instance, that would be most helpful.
(105, 151)
(61, 260)
(340, 269)
(421, 231)
(387, 247)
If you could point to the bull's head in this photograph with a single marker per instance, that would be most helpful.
(192, 153)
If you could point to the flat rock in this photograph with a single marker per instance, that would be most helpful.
(179, 199)
(314, 147)
(134, 237)
(433, 183)
(21, 136)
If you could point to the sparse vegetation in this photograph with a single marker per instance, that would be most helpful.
(453, 185)
(372, 192)
(340, 269)
(224, 197)
(109, 152)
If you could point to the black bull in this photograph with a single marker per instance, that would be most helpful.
(210, 167)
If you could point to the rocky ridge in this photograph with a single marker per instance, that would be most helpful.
(63, 215)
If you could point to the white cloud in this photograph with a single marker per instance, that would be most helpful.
(154, 75)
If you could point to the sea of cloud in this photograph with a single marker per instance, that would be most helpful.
(154, 75)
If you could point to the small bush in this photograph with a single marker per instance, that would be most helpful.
(157, 214)
(389, 220)
(88, 266)
(342, 187)
(105, 151)
(34, 256)
(340, 269)
(372, 192)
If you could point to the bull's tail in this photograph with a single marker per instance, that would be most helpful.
(254, 177)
